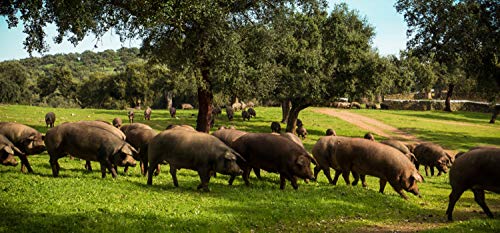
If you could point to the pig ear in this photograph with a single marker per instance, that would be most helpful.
(7, 149)
(418, 177)
(31, 138)
(302, 161)
(238, 155)
(127, 149)
(313, 160)
(412, 157)
(17, 150)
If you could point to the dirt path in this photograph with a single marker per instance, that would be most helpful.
(371, 125)
(374, 126)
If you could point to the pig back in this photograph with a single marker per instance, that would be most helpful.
(267, 151)
(430, 154)
(478, 168)
(185, 148)
(82, 141)
(138, 137)
(370, 158)
(107, 127)
(125, 128)
(322, 152)
(22, 136)
(228, 136)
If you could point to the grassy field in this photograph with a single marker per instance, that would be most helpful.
(80, 201)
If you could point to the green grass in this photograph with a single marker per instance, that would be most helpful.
(455, 131)
(80, 201)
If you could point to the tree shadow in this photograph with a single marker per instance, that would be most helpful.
(452, 140)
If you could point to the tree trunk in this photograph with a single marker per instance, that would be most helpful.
(495, 114)
(168, 98)
(285, 110)
(205, 99)
(447, 102)
(293, 115)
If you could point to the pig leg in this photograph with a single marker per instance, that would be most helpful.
(109, 166)
(454, 196)
(157, 172)
(356, 178)
(205, 178)
(257, 173)
(125, 170)
(231, 179)
(293, 180)
(150, 173)
(345, 174)
(382, 185)
(479, 198)
(426, 168)
(282, 181)
(88, 166)
(317, 169)
(363, 180)
(25, 164)
(329, 177)
(55, 166)
(432, 170)
(397, 187)
(336, 178)
(246, 175)
(173, 173)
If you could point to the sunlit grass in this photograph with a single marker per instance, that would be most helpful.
(80, 201)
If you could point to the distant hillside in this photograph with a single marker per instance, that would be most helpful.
(83, 64)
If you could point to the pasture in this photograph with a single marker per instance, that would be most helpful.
(81, 201)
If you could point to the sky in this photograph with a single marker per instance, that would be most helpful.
(390, 30)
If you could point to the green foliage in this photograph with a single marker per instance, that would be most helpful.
(459, 34)
(80, 201)
(14, 83)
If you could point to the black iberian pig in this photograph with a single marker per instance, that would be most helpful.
(365, 157)
(90, 143)
(478, 170)
(28, 140)
(273, 153)
(188, 149)
(7, 152)
(432, 155)
(50, 119)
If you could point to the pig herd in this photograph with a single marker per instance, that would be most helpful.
(233, 152)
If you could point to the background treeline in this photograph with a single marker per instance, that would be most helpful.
(109, 79)
(120, 79)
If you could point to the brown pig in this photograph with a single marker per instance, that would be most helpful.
(432, 155)
(7, 151)
(192, 150)
(228, 136)
(324, 154)
(401, 147)
(139, 138)
(50, 119)
(366, 157)
(131, 115)
(28, 140)
(477, 170)
(117, 122)
(273, 153)
(147, 114)
(89, 143)
(125, 128)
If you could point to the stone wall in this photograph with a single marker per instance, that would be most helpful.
(424, 105)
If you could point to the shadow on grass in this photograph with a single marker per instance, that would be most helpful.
(469, 117)
(452, 140)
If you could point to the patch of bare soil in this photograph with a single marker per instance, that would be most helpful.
(371, 125)
(374, 126)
